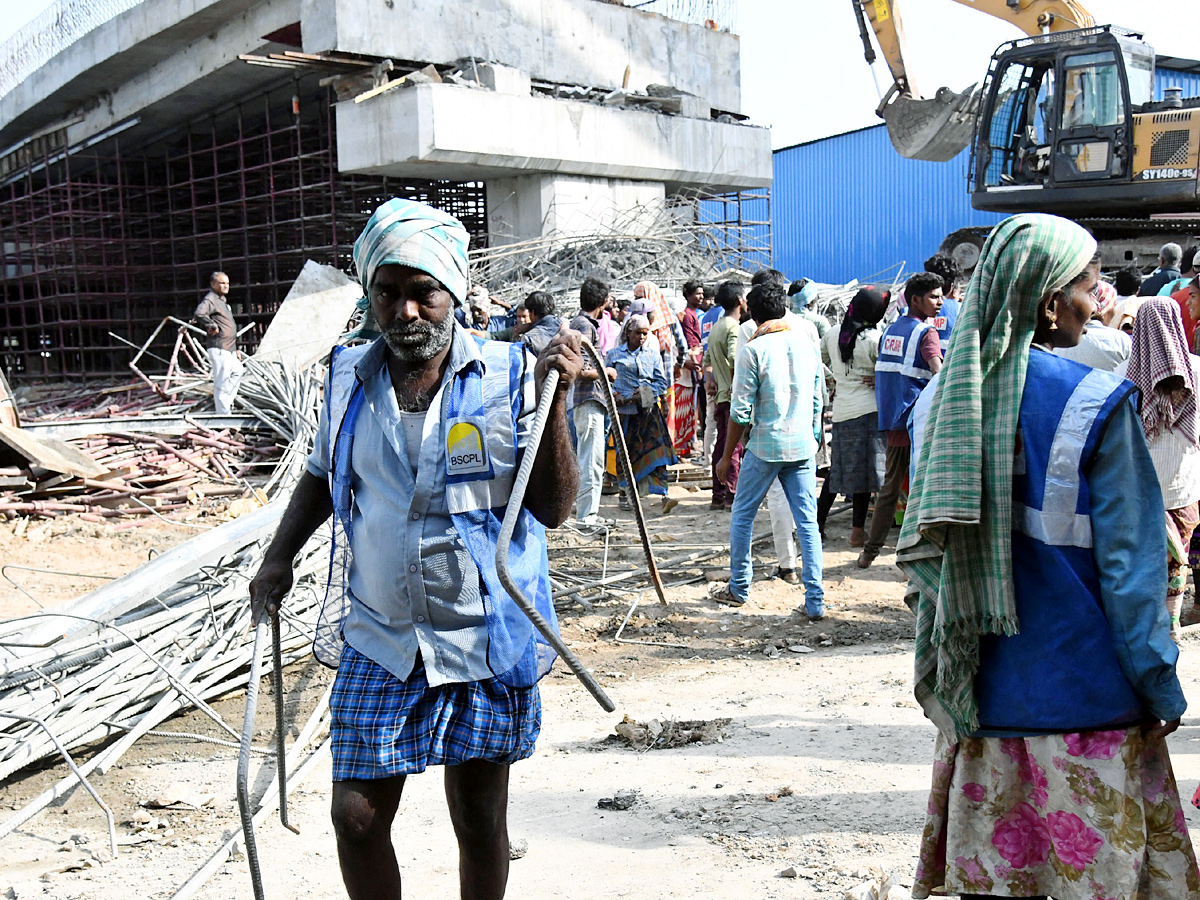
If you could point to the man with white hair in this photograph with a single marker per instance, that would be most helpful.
(418, 444)
(1169, 258)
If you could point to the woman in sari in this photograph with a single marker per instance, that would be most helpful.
(638, 381)
(1167, 375)
(669, 338)
(1033, 544)
(684, 419)
(850, 353)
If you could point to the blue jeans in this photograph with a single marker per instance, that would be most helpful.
(799, 480)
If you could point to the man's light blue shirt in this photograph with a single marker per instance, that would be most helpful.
(413, 585)
(777, 386)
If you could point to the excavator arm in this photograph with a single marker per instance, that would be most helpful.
(939, 128)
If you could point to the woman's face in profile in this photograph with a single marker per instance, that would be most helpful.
(1074, 310)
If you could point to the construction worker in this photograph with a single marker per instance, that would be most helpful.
(909, 355)
(216, 318)
(436, 666)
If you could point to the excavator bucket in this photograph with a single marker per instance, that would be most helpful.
(936, 129)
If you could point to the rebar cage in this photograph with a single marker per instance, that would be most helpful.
(103, 241)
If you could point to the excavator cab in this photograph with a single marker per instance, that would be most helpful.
(1059, 119)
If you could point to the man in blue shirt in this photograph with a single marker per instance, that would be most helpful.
(419, 439)
(1170, 255)
(909, 355)
(540, 306)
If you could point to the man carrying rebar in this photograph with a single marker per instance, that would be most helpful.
(216, 318)
(418, 444)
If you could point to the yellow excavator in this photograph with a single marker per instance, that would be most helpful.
(1065, 121)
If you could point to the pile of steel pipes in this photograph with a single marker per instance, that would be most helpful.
(167, 475)
(147, 474)
(122, 399)
(169, 636)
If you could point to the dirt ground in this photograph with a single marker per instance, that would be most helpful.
(823, 767)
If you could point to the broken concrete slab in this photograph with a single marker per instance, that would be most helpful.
(312, 317)
(17, 445)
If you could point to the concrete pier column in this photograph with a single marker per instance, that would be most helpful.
(537, 205)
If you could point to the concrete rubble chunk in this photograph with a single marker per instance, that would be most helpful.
(314, 314)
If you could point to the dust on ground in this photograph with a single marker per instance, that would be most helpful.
(822, 768)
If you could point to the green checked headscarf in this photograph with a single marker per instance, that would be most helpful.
(956, 544)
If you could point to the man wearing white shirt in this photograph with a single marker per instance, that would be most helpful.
(1100, 347)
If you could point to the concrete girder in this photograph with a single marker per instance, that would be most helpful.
(121, 49)
(560, 41)
(455, 132)
(199, 76)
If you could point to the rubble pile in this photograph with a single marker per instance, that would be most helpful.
(145, 475)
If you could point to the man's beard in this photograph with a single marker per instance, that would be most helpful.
(418, 341)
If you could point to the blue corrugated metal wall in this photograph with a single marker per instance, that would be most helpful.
(850, 206)
(1189, 81)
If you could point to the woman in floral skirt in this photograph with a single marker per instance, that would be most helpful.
(1033, 543)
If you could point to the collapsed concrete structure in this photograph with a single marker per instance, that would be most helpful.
(182, 136)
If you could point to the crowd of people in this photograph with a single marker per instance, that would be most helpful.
(1043, 464)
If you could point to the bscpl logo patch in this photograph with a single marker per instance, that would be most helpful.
(465, 450)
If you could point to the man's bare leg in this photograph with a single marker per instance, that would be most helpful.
(477, 795)
(362, 821)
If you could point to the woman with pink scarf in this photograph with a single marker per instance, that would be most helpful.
(1167, 375)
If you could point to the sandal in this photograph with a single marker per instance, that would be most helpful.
(725, 596)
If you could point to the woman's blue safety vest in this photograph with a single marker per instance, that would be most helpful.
(900, 372)
(1060, 673)
(481, 406)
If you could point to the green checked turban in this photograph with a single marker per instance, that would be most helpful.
(408, 233)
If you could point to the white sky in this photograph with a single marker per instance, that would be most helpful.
(803, 72)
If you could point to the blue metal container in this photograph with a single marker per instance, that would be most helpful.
(1188, 79)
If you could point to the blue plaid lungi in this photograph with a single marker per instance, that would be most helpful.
(382, 726)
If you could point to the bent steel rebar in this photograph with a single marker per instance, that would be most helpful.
(87, 785)
(245, 813)
(243, 767)
(515, 499)
(635, 502)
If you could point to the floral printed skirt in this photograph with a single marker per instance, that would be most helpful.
(1087, 816)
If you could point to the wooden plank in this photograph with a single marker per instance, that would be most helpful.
(338, 60)
(49, 453)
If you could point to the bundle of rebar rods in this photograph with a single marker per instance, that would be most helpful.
(119, 399)
(169, 475)
(115, 675)
(664, 244)
(147, 474)
(169, 636)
